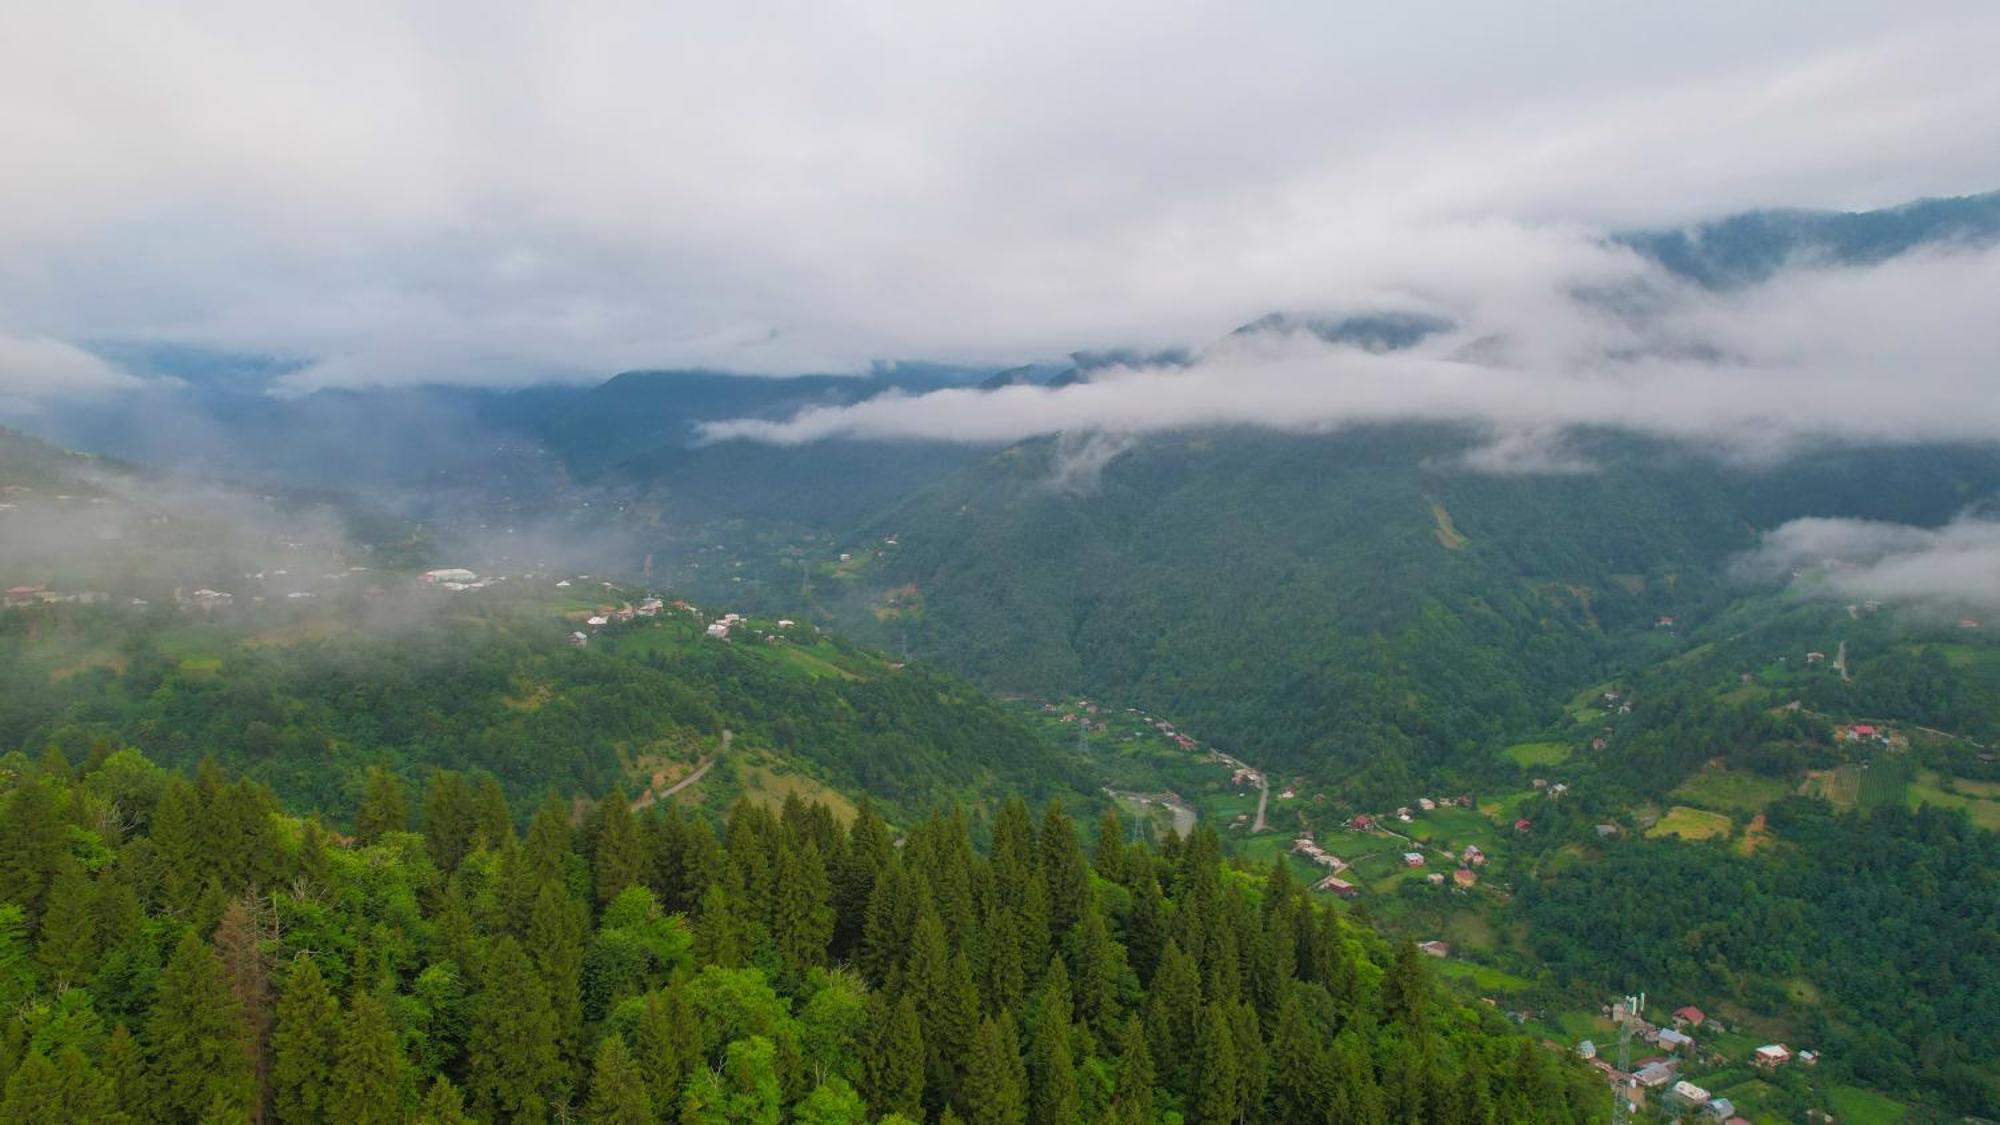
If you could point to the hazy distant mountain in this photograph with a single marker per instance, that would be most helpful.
(1749, 248)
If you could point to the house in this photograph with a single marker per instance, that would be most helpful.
(1653, 1075)
(1689, 1093)
(562, 583)
(1809, 1058)
(449, 574)
(1434, 948)
(1673, 1040)
(1815, 657)
(1426, 804)
(597, 621)
(579, 639)
(1772, 1054)
(1968, 623)
(1523, 824)
(1720, 1108)
(1541, 783)
(1338, 886)
(23, 595)
(1363, 822)
(1606, 831)
(1586, 1049)
(1598, 744)
(786, 623)
(1689, 1016)
(1287, 795)
(718, 629)
(1435, 878)
(1860, 731)
(1464, 878)
(1664, 623)
(1472, 855)
(1413, 859)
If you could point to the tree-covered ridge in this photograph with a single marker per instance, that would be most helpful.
(1358, 605)
(174, 949)
(501, 693)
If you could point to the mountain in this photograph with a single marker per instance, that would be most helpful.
(1755, 246)
(1353, 605)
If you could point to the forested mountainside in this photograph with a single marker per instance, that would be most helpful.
(1354, 605)
(304, 702)
(178, 950)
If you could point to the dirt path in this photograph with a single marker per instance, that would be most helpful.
(650, 797)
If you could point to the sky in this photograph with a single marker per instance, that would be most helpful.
(516, 192)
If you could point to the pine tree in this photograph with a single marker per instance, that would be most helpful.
(947, 1005)
(617, 860)
(443, 1105)
(67, 1089)
(1110, 858)
(1065, 873)
(1173, 1013)
(556, 934)
(1405, 990)
(995, 1078)
(495, 824)
(515, 1068)
(451, 824)
(667, 1045)
(198, 1037)
(367, 1081)
(1301, 1072)
(892, 1066)
(801, 911)
(67, 948)
(1146, 928)
(1132, 1096)
(303, 1043)
(1098, 969)
(618, 1090)
(384, 808)
(1216, 1069)
(31, 843)
(867, 853)
(124, 1066)
(1052, 1068)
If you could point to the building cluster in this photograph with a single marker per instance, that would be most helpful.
(1662, 1071)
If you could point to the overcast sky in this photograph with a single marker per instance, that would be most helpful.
(506, 192)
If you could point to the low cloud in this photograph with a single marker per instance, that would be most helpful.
(37, 368)
(1579, 334)
(1951, 567)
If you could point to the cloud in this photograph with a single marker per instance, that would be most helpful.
(584, 188)
(1950, 567)
(1895, 353)
(34, 368)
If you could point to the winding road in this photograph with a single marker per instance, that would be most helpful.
(649, 797)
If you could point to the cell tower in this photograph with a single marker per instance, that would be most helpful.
(1628, 1012)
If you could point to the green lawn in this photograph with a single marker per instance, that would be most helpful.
(1856, 1106)
(1733, 790)
(1927, 790)
(1691, 824)
(1528, 755)
(1486, 978)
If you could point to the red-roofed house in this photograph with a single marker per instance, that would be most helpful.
(1690, 1016)
(1523, 824)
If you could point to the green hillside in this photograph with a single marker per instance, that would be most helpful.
(1353, 605)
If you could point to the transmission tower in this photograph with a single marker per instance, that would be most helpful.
(1621, 1106)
